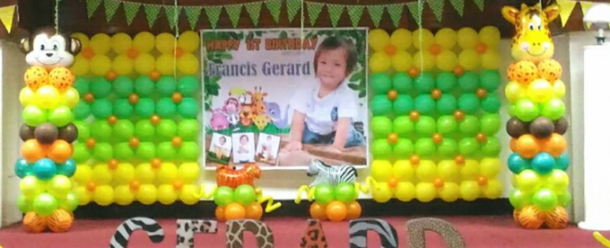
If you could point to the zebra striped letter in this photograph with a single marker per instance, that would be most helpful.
(235, 233)
(314, 235)
(124, 231)
(187, 228)
(359, 227)
(417, 237)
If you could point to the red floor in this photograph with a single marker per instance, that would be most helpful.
(477, 231)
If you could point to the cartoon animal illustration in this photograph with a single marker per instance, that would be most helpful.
(258, 106)
(241, 95)
(332, 175)
(533, 38)
(49, 49)
(219, 120)
(275, 113)
(231, 108)
(261, 121)
(226, 176)
(245, 115)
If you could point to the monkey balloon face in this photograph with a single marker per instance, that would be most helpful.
(49, 49)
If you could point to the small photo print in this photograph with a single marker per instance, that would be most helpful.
(220, 149)
(243, 148)
(267, 148)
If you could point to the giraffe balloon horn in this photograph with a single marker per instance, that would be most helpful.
(533, 38)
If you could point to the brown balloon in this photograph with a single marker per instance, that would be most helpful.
(542, 127)
(46, 133)
(561, 126)
(69, 133)
(26, 132)
(515, 127)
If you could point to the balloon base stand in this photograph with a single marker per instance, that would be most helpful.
(595, 225)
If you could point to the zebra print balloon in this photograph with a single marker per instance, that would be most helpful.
(332, 175)
(120, 239)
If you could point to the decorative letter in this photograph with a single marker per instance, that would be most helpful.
(358, 229)
(187, 228)
(124, 231)
(235, 233)
(417, 228)
(314, 235)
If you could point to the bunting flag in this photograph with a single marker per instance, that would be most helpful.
(131, 10)
(234, 11)
(584, 6)
(152, 13)
(437, 8)
(355, 13)
(172, 13)
(335, 11)
(274, 7)
(6, 17)
(480, 4)
(565, 10)
(111, 6)
(192, 15)
(293, 7)
(254, 10)
(314, 9)
(92, 6)
(395, 11)
(213, 13)
(375, 12)
(459, 6)
(416, 9)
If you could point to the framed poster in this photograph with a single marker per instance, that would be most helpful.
(307, 87)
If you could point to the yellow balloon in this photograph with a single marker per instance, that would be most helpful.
(100, 43)
(82, 38)
(83, 195)
(381, 170)
(121, 43)
(144, 64)
(490, 60)
(490, 167)
(381, 193)
(144, 42)
(469, 59)
(446, 38)
(425, 191)
(401, 39)
(470, 170)
(188, 173)
(493, 189)
(100, 65)
(122, 65)
(449, 171)
(188, 194)
(405, 191)
(82, 175)
(426, 171)
(450, 192)
(490, 36)
(165, 43)
(403, 170)
(101, 174)
(70, 97)
(124, 173)
(540, 91)
(446, 60)
(166, 194)
(402, 61)
(188, 64)
(514, 91)
(103, 195)
(378, 39)
(147, 194)
(513, 180)
(468, 38)
(167, 173)
(47, 97)
(379, 62)
(27, 96)
(31, 187)
(80, 67)
(557, 181)
(145, 173)
(423, 60)
(470, 190)
(422, 39)
(188, 41)
(166, 64)
(559, 88)
(123, 195)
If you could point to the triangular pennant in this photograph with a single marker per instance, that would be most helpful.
(314, 9)
(152, 13)
(192, 15)
(565, 10)
(234, 11)
(458, 5)
(254, 10)
(274, 7)
(335, 11)
(416, 8)
(355, 13)
(480, 4)
(131, 10)
(395, 11)
(437, 8)
(375, 12)
(293, 6)
(92, 6)
(111, 6)
(172, 13)
(6, 17)
(213, 13)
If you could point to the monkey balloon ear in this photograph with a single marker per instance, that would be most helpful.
(25, 45)
(75, 46)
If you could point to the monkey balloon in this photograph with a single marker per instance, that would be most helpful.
(48, 48)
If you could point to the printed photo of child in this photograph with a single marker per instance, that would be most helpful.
(243, 148)
(267, 148)
(220, 150)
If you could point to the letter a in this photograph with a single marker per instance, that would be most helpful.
(314, 235)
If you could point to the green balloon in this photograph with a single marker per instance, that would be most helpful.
(403, 126)
(123, 130)
(84, 132)
(490, 80)
(403, 104)
(44, 204)
(448, 148)
(469, 103)
(403, 149)
(100, 87)
(23, 204)
(425, 126)
(166, 130)
(545, 199)
(81, 84)
(166, 86)
(34, 116)
(470, 126)
(70, 203)
(468, 146)
(146, 151)
(491, 103)
(166, 151)
(381, 105)
(519, 199)
(102, 152)
(188, 108)
(446, 81)
(381, 126)
(425, 147)
(381, 83)
(123, 108)
(101, 131)
(424, 104)
(490, 124)
(123, 152)
(145, 131)
(447, 124)
(564, 198)
(381, 149)
(244, 194)
(82, 110)
(188, 129)
(101, 108)
(166, 108)
(61, 116)
(346, 192)
(188, 85)
(553, 109)
(189, 152)
(81, 153)
(447, 104)
(424, 83)
(145, 108)
(122, 86)
(402, 83)
(324, 194)
(492, 147)
(526, 110)
(223, 196)
(469, 82)
(511, 109)
(144, 86)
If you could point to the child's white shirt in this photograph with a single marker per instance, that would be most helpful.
(318, 111)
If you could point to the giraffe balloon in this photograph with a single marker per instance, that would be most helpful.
(533, 38)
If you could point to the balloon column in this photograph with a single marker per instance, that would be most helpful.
(537, 124)
(435, 115)
(137, 119)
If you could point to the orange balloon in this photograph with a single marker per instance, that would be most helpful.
(354, 210)
(513, 144)
(234, 211)
(60, 151)
(254, 211)
(336, 211)
(527, 146)
(32, 151)
(555, 145)
(220, 213)
(318, 211)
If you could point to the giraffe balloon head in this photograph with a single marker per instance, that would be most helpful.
(533, 38)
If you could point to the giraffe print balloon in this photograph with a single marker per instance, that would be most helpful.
(533, 38)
